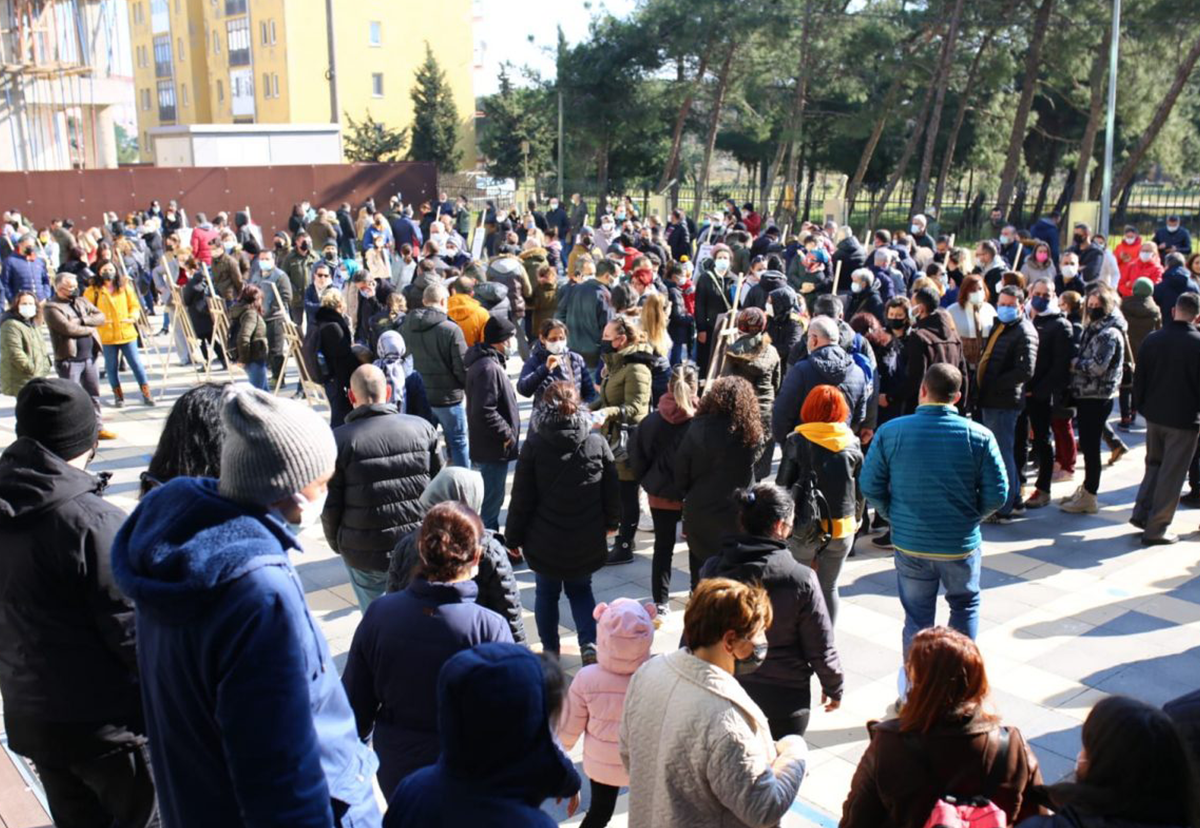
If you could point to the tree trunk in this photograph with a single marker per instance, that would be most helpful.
(1095, 110)
(1068, 188)
(921, 191)
(1125, 177)
(910, 147)
(772, 172)
(715, 119)
(811, 152)
(796, 119)
(1047, 174)
(1033, 59)
(602, 169)
(959, 118)
(672, 167)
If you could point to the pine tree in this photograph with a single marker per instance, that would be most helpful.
(369, 140)
(435, 118)
(511, 116)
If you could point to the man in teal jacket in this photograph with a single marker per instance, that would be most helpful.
(935, 516)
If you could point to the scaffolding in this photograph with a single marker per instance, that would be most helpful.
(51, 54)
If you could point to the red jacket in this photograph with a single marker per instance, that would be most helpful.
(200, 238)
(1152, 270)
(1127, 254)
(753, 222)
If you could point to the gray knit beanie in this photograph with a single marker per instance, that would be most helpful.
(273, 447)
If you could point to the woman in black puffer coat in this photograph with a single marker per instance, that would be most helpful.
(565, 500)
(498, 589)
(652, 452)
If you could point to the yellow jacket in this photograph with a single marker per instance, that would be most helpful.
(121, 309)
(466, 312)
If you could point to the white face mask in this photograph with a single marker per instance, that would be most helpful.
(914, 229)
(856, 287)
(26, 310)
(1145, 255)
(557, 346)
(266, 265)
(976, 298)
(721, 266)
(310, 512)
(1069, 271)
(1130, 239)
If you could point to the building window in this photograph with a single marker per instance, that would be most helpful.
(262, 32)
(162, 56)
(238, 32)
(375, 33)
(275, 84)
(241, 91)
(235, 7)
(160, 16)
(179, 48)
(271, 25)
(216, 43)
(183, 93)
(166, 101)
(377, 84)
(220, 92)
(266, 85)
(145, 100)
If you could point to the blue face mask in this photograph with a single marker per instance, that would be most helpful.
(1040, 303)
(1007, 313)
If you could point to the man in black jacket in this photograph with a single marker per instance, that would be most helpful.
(68, 661)
(1091, 255)
(1166, 390)
(438, 348)
(492, 415)
(385, 459)
(1004, 368)
(932, 339)
(1051, 375)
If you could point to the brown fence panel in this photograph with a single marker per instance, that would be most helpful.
(269, 192)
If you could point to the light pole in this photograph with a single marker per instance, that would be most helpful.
(525, 163)
(1110, 127)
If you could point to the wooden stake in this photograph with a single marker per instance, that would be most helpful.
(837, 276)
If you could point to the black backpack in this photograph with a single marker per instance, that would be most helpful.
(813, 517)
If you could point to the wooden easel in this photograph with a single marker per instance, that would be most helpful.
(726, 330)
(220, 322)
(181, 320)
(837, 276)
(314, 392)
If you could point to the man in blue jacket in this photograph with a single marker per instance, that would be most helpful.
(25, 271)
(935, 517)
(248, 722)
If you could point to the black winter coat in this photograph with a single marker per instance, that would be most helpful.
(800, 639)
(1166, 384)
(851, 253)
(709, 465)
(438, 348)
(565, 498)
(786, 325)
(1175, 282)
(653, 447)
(868, 301)
(67, 650)
(836, 472)
(758, 295)
(1010, 365)
(753, 359)
(498, 587)
(932, 340)
(712, 298)
(384, 461)
(1055, 350)
(333, 342)
(493, 419)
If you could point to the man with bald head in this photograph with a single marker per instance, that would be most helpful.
(827, 363)
(385, 459)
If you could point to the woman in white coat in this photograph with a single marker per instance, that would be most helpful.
(698, 750)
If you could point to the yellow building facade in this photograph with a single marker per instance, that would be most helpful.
(267, 61)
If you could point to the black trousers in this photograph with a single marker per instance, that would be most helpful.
(1092, 417)
(629, 510)
(95, 776)
(604, 802)
(787, 708)
(665, 522)
(1039, 414)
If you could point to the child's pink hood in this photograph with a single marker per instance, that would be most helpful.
(624, 633)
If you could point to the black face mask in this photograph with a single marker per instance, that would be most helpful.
(1096, 314)
(329, 257)
(897, 324)
(279, 247)
(745, 666)
(1080, 239)
(302, 246)
(606, 347)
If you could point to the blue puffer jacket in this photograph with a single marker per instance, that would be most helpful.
(499, 759)
(248, 722)
(935, 476)
(828, 365)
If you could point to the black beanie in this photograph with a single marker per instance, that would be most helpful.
(58, 414)
(498, 330)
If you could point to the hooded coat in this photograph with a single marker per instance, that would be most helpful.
(786, 324)
(466, 312)
(626, 387)
(828, 365)
(769, 282)
(652, 451)
(67, 650)
(510, 271)
(752, 358)
(499, 759)
(624, 634)
(800, 638)
(385, 459)
(586, 307)
(498, 588)
(1143, 317)
(832, 453)
(493, 418)
(248, 330)
(1100, 361)
(247, 720)
(1152, 270)
(23, 353)
(932, 340)
(438, 348)
(1175, 282)
(536, 378)
(710, 464)
(564, 499)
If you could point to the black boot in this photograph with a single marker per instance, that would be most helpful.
(620, 553)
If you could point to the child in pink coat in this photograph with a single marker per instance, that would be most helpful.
(624, 633)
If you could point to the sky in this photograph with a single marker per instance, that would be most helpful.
(506, 26)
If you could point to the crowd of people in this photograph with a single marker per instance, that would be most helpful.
(774, 397)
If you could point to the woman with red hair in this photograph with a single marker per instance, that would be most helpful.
(823, 454)
(942, 744)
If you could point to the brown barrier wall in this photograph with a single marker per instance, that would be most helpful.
(270, 192)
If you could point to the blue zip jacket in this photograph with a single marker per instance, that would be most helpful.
(934, 475)
(248, 722)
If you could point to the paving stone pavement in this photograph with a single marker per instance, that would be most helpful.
(1073, 609)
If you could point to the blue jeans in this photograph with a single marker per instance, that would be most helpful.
(453, 419)
(545, 609)
(494, 477)
(918, 580)
(367, 585)
(130, 350)
(1002, 422)
(256, 372)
